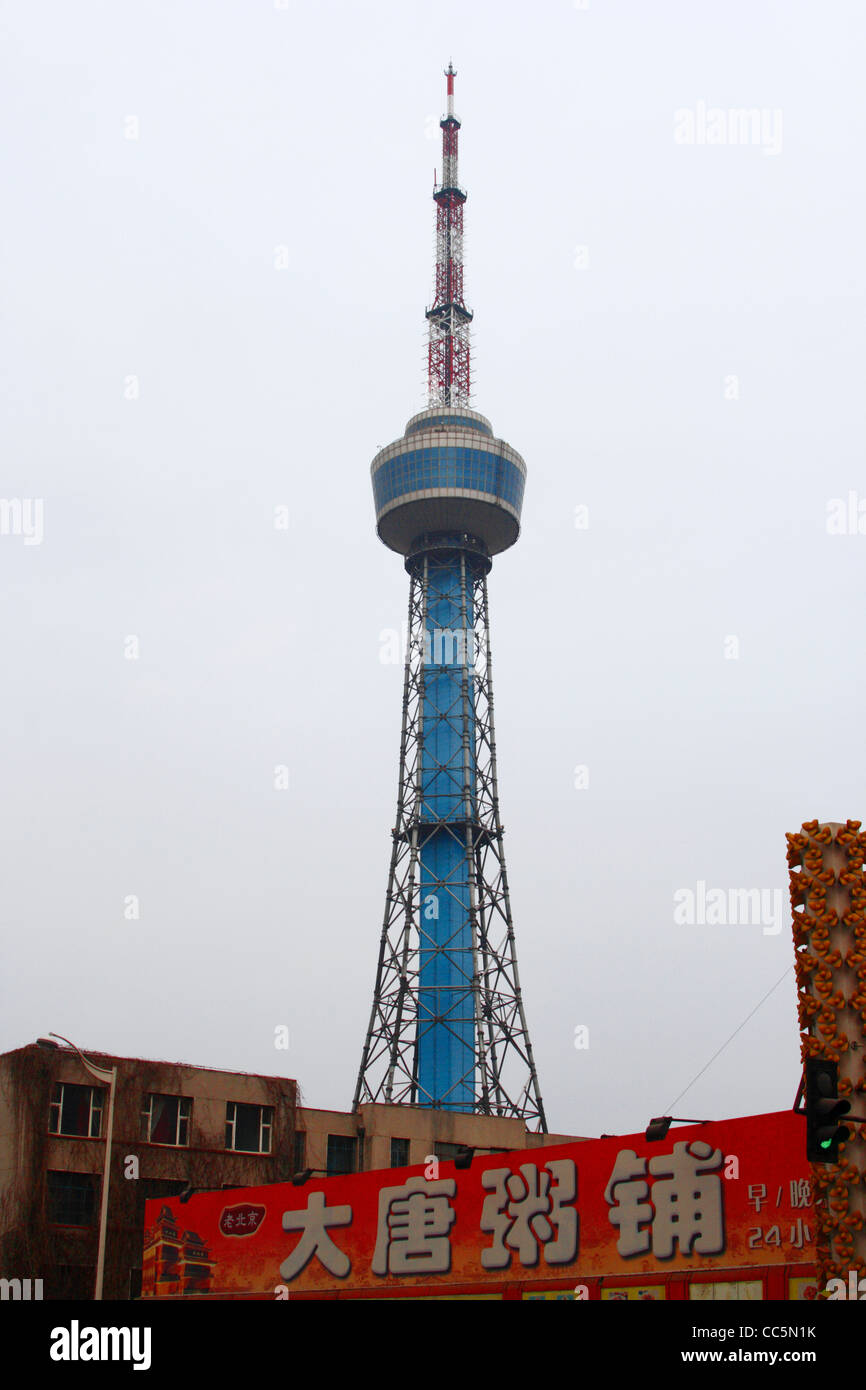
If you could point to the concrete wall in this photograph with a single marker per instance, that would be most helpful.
(376, 1125)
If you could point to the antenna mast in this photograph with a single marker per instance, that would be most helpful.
(449, 319)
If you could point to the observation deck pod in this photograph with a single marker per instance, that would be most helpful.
(448, 475)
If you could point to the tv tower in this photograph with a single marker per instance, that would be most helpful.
(447, 1029)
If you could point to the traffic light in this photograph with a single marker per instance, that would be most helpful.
(824, 1108)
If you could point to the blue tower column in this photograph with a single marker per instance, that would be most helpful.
(446, 994)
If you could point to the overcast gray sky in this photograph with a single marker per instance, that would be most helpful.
(217, 251)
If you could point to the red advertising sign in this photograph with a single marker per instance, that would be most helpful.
(733, 1195)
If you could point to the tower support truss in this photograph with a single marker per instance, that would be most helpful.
(447, 1028)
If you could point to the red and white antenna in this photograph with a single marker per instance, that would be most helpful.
(449, 319)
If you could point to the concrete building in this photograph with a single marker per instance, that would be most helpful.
(176, 1127)
(398, 1136)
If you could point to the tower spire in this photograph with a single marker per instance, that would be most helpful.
(449, 319)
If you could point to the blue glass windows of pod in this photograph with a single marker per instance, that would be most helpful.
(474, 470)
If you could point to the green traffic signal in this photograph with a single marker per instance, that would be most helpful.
(824, 1109)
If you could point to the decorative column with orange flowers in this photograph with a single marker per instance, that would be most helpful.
(828, 900)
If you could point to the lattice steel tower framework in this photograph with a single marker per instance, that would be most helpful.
(448, 1029)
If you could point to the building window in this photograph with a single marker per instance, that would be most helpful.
(341, 1154)
(165, 1120)
(447, 1150)
(399, 1153)
(76, 1110)
(300, 1150)
(248, 1127)
(71, 1199)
